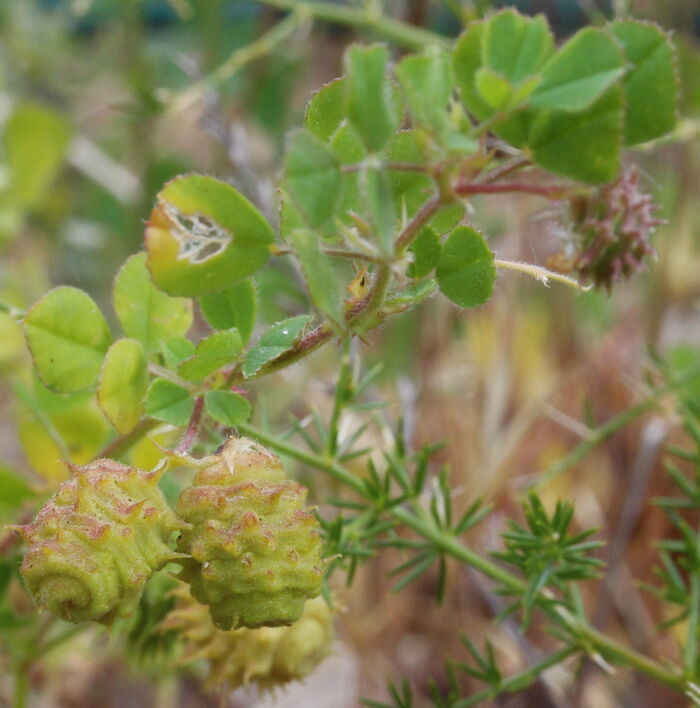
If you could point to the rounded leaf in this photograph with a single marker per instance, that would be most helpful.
(203, 236)
(123, 384)
(146, 313)
(466, 271)
(68, 338)
(234, 307)
(168, 402)
(227, 407)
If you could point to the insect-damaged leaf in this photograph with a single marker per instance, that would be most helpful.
(203, 235)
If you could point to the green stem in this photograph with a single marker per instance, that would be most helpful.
(400, 33)
(328, 465)
(309, 343)
(506, 168)
(617, 422)
(21, 694)
(342, 387)
(543, 275)
(610, 648)
(121, 445)
(362, 310)
(16, 313)
(414, 226)
(243, 56)
(335, 253)
(446, 542)
(518, 681)
(690, 650)
(171, 376)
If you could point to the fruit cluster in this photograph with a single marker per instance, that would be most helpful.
(253, 550)
(248, 547)
(96, 542)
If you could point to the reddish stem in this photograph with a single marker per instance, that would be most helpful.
(190, 436)
(553, 191)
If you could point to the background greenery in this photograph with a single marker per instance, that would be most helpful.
(101, 102)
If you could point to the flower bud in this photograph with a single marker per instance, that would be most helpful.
(255, 550)
(614, 227)
(96, 542)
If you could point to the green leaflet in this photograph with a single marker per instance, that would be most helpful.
(214, 352)
(35, 140)
(368, 99)
(273, 343)
(227, 407)
(312, 177)
(123, 384)
(426, 80)
(426, 253)
(584, 146)
(651, 82)
(515, 46)
(68, 338)
(175, 350)
(168, 402)
(321, 278)
(234, 307)
(580, 72)
(466, 272)
(146, 313)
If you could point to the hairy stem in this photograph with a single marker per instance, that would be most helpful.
(325, 332)
(421, 218)
(335, 253)
(544, 275)
(190, 436)
(506, 168)
(549, 191)
(341, 391)
(400, 33)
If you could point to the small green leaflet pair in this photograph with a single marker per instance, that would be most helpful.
(571, 109)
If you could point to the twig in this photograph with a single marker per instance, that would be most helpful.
(335, 253)
(124, 443)
(400, 33)
(617, 422)
(190, 436)
(241, 57)
(420, 219)
(507, 168)
(325, 332)
(553, 191)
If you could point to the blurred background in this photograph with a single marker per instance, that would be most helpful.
(102, 101)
